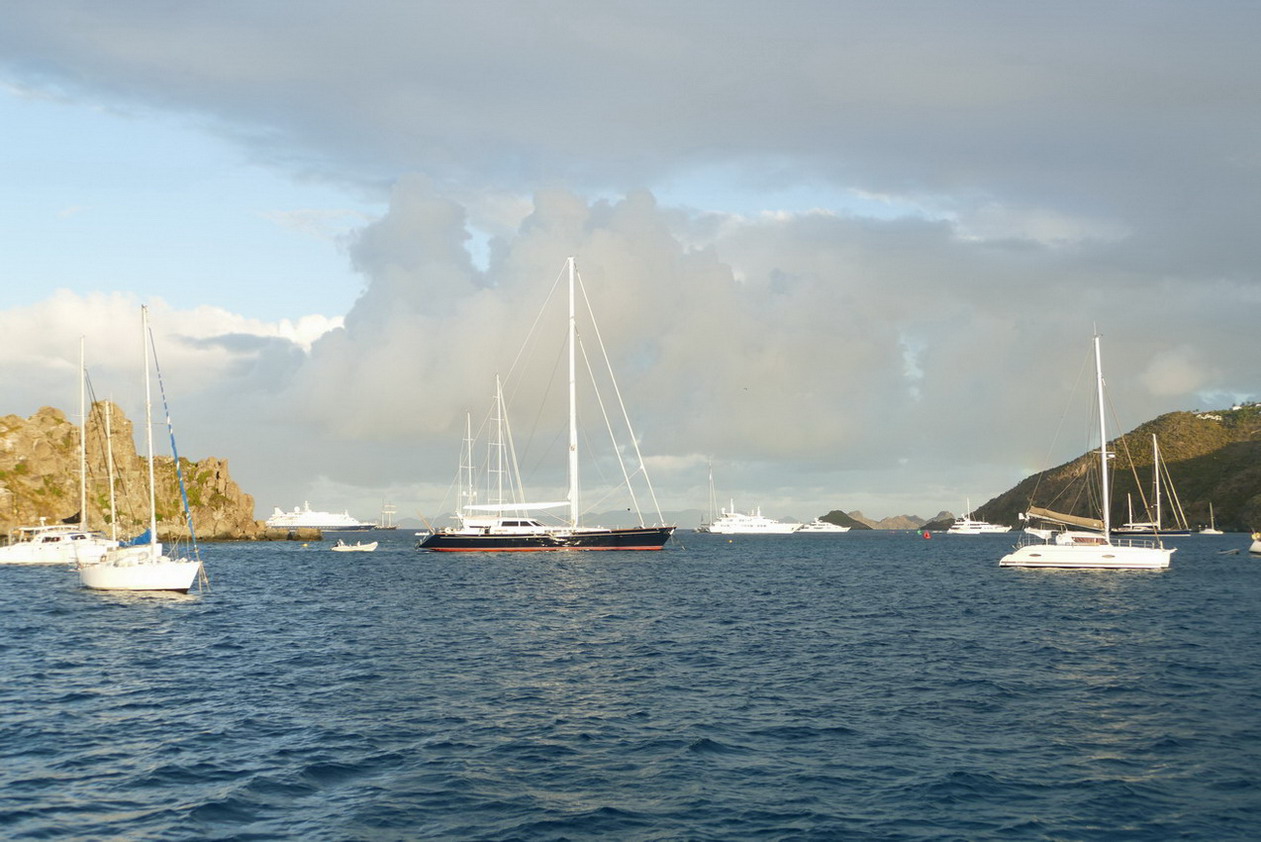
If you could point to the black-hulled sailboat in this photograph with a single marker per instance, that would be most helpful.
(509, 526)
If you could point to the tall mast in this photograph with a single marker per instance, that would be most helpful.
(466, 475)
(499, 442)
(109, 470)
(83, 442)
(148, 426)
(1156, 477)
(1103, 446)
(573, 408)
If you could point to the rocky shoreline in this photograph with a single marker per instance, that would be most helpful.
(40, 481)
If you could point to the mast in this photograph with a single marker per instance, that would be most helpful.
(1103, 446)
(109, 470)
(713, 501)
(1156, 477)
(468, 491)
(148, 427)
(573, 409)
(83, 442)
(499, 441)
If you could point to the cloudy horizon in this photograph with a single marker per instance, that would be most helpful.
(849, 254)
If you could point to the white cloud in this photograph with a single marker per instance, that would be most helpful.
(886, 243)
(1176, 372)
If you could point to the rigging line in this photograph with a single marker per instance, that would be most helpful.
(608, 425)
(538, 317)
(514, 478)
(618, 392)
(1181, 521)
(170, 428)
(1087, 362)
(1125, 445)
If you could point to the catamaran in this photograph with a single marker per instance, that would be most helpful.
(508, 525)
(1086, 542)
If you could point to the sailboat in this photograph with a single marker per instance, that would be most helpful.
(1088, 542)
(143, 566)
(63, 543)
(1160, 482)
(1211, 529)
(507, 525)
(711, 511)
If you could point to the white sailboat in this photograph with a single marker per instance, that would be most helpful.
(1162, 487)
(1088, 542)
(1211, 529)
(144, 567)
(63, 543)
(711, 511)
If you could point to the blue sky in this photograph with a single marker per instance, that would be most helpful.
(153, 203)
(836, 243)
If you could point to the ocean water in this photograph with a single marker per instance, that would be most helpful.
(859, 686)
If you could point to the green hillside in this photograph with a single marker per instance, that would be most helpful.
(1211, 457)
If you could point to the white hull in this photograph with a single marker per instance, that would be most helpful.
(769, 528)
(304, 518)
(1088, 557)
(977, 528)
(822, 527)
(732, 522)
(141, 568)
(967, 526)
(1256, 545)
(354, 548)
(1093, 549)
(71, 550)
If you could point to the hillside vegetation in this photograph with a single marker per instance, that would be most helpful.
(1212, 457)
(39, 478)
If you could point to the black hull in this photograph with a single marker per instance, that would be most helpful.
(645, 538)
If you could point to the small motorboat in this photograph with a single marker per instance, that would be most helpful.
(357, 547)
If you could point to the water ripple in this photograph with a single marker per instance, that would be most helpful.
(857, 687)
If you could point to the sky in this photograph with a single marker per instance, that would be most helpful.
(849, 254)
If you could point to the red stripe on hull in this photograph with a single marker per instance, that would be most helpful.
(538, 549)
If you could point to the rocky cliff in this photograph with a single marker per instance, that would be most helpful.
(39, 478)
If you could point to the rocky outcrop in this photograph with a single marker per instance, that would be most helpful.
(895, 522)
(39, 478)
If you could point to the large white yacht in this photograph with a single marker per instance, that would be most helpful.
(304, 518)
(731, 522)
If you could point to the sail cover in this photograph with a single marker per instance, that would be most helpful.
(1067, 520)
(513, 507)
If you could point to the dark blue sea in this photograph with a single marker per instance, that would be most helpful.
(869, 686)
